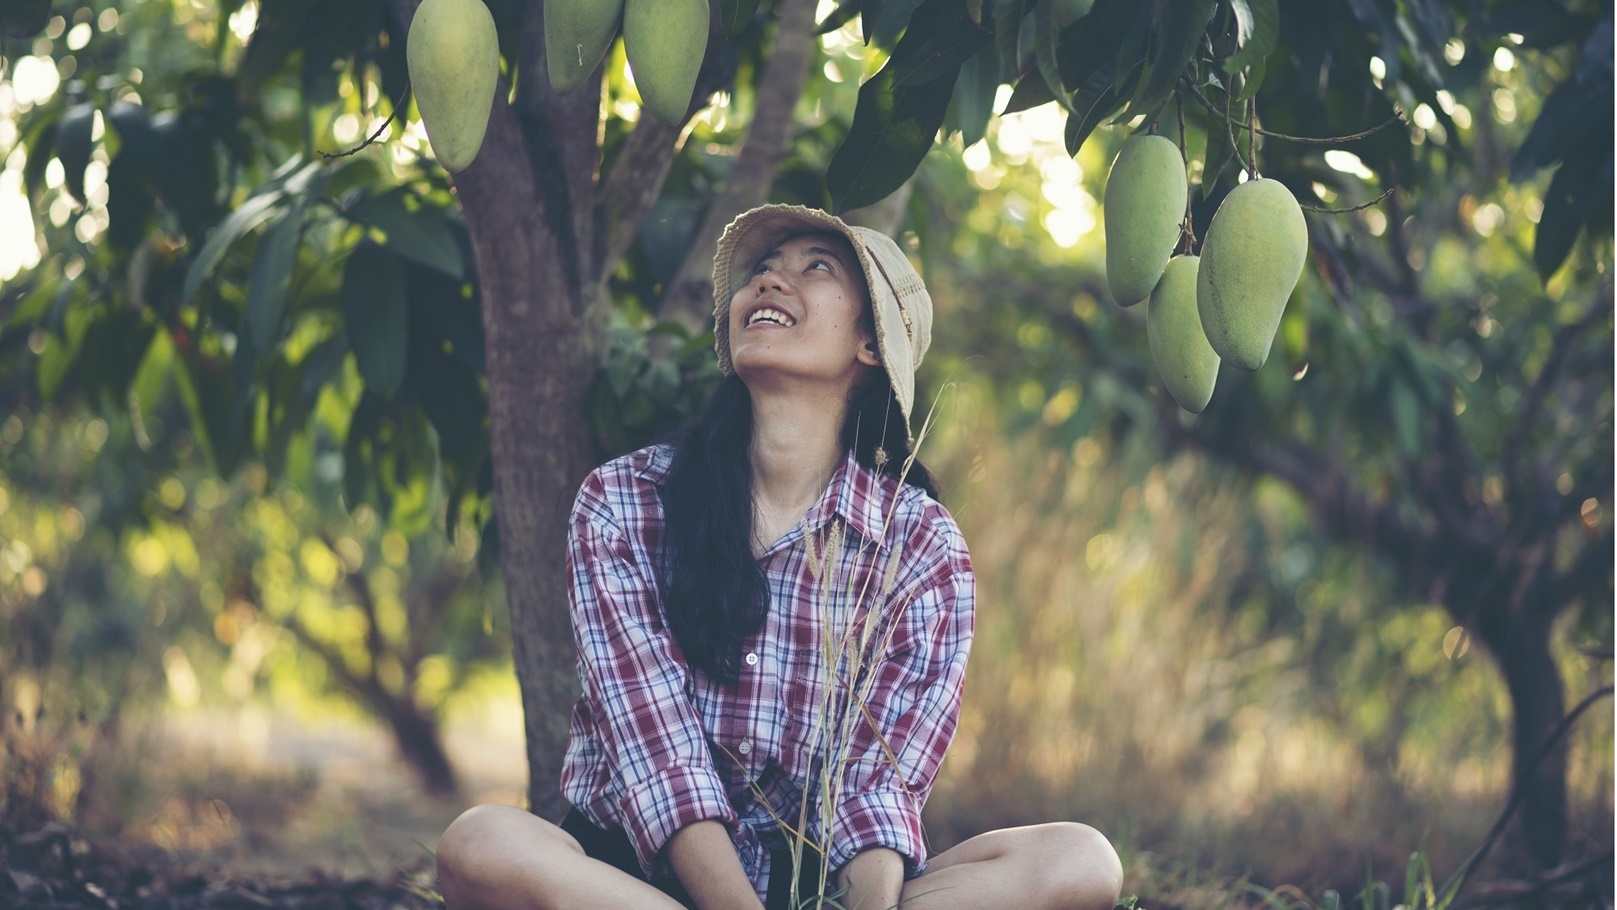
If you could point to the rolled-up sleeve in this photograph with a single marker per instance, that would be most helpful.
(634, 677)
(914, 705)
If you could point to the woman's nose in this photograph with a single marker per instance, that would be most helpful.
(769, 280)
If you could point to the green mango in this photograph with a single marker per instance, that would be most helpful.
(665, 41)
(577, 36)
(1145, 198)
(1251, 259)
(453, 53)
(1187, 364)
(24, 18)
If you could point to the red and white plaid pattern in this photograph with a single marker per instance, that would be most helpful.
(655, 745)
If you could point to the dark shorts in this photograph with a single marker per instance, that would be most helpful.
(614, 849)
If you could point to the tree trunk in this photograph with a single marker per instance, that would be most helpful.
(541, 359)
(541, 356)
(421, 745)
(1537, 707)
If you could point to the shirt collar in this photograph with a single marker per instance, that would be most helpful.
(861, 496)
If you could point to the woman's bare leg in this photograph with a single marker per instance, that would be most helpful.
(501, 858)
(1059, 866)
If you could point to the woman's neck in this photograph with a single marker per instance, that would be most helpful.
(796, 447)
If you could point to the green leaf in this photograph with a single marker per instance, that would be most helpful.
(151, 378)
(937, 44)
(270, 280)
(359, 455)
(130, 205)
(1008, 16)
(39, 138)
(376, 314)
(735, 15)
(893, 127)
(252, 213)
(1242, 11)
(1095, 100)
(1262, 33)
(1580, 186)
(1574, 114)
(894, 17)
(24, 18)
(1254, 79)
(73, 146)
(974, 9)
(419, 234)
(1176, 32)
(1044, 53)
(280, 30)
(972, 104)
(839, 17)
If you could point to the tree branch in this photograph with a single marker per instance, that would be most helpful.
(689, 296)
(563, 135)
(633, 185)
(636, 180)
(1548, 377)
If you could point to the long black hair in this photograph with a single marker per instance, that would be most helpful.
(714, 594)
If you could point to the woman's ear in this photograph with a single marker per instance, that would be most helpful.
(868, 354)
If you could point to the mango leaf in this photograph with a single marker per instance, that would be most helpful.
(73, 145)
(280, 30)
(419, 234)
(359, 456)
(1008, 16)
(735, 15)
(270, 279)
(1262, 31)
(891, 21)
(1044, 53)
(1573, 116)
(1242, 11)
(1094, 101)
(1378, 20)
(936, 46)
(129, 202)
(972, 104)
(252, 213)
(893, 127)
(1253, 80)
(24, 18)
(1177, 28)
(151, 378)
(39, 138)
(376, 316)
(1581, 187)
(183, 167)
(839, 17)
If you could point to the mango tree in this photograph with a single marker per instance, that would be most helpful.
(479, 309)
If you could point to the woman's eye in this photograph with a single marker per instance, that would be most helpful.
(820, 263)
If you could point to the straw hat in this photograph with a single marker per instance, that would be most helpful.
(898, 297)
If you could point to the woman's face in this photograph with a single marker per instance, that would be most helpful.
(802, 315)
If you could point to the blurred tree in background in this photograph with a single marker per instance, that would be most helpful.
(230, 301)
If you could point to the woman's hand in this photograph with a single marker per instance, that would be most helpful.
(875, 879)
(707, 865)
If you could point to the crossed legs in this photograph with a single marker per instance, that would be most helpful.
(503, 858)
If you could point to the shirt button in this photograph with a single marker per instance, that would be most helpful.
(752, 658)
(745, 748)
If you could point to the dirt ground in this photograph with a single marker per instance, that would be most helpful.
(258, 811)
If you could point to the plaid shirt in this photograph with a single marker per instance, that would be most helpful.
(876, 568)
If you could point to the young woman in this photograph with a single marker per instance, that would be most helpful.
(772, 620)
